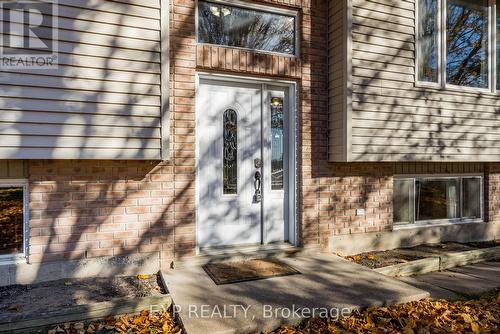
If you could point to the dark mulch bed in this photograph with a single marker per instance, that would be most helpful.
(71, 292)
(381, 259)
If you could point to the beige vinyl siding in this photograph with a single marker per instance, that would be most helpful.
(104, 101)
(337, 64)
(395, 120)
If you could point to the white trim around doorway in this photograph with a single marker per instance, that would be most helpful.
(293, 213)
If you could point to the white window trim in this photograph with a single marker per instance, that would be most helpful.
(436, 222)
(441, 80)
(256, 7)
(14, 258)
(494, 33)
(440, 51)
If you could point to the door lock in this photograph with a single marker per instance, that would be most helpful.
(257, 198)
(257, 163)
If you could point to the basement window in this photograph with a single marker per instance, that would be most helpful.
(12, 218)
(427, 200)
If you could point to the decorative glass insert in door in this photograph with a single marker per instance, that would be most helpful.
(277, 143)
(230, 152)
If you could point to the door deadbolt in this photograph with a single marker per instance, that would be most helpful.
(257, 163)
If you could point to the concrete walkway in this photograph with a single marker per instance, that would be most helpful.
(327, 283)
(460, 282)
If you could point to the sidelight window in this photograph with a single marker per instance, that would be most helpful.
(277, 143)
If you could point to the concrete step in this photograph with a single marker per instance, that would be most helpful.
(216, 255)
(326, 283)
(11, 259)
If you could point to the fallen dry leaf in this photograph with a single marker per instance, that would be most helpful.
(421, 317)
(145, 322)
(354, 258)
(16, 308)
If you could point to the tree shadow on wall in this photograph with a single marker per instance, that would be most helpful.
(392, 120)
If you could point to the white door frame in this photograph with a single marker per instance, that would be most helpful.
(292, 145)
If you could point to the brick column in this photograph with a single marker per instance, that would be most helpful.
(183, 69)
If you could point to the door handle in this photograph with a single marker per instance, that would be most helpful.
(257, 198)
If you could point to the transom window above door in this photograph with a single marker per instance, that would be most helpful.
(458, 43)
(261, 28)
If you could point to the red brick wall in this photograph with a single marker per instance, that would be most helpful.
(310, 71)
(346, 187)
(182, 84)
(83, 209)
(86, 209)
(492, 190)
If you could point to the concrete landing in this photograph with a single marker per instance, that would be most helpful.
(459, 282)
(328, 284)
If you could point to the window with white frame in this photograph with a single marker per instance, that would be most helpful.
(438, 199)
(456, 43)
(239, 26)
(497, 5)
(12, 218)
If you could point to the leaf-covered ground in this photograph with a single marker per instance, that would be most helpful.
(143, 323)
(479, 316)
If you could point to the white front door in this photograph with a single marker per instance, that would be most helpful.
(242, 159)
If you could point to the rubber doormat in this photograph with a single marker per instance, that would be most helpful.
(249, 270)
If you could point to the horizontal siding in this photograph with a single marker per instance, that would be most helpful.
(392, 120)
(104, 99)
